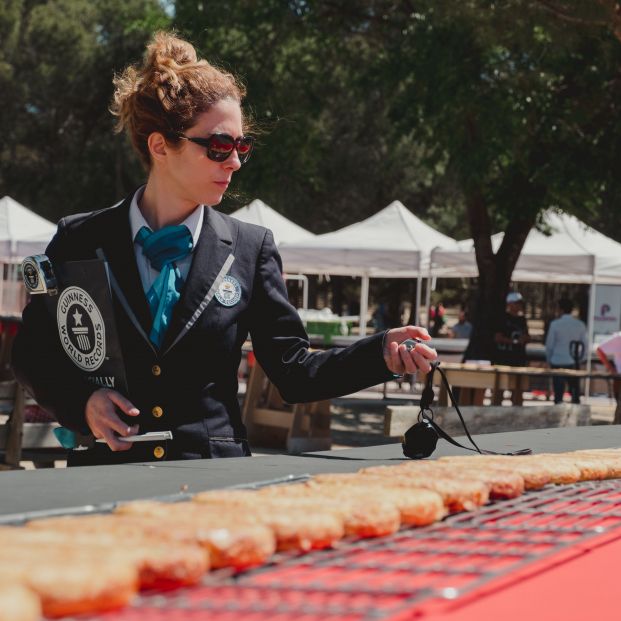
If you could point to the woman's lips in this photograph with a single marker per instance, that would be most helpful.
(222, 184)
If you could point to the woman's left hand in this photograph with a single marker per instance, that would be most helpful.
(399, 359)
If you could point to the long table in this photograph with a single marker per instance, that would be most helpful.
(25, 491)
(499, 378)
(540, 556)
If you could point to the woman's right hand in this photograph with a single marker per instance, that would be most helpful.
(103, 420)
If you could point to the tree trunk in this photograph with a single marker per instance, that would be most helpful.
(495, 272)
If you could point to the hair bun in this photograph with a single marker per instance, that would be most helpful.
(166, 57)
(166, 50)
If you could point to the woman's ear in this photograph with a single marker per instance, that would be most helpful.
(158, 147)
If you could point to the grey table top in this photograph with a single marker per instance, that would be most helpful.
(28, 493)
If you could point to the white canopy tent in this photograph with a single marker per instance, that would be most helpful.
(22, 233)
(284, 230)
(572, 253)
(393, 243)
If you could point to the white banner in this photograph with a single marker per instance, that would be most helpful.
(607, 317)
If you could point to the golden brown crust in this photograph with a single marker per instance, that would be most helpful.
(18, 603)
(418, 507)
(234, 540)
(225, 540)
(457, 494)
(362, 516)
(535, 476)
(294, 527)
(585, 468)
(610, 457)
(160, 564)
(502, 483)
(70, 584)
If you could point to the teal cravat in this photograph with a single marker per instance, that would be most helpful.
(163, 248)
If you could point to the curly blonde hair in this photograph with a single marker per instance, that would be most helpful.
(168, 92)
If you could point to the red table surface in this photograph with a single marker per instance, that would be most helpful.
(580, 583)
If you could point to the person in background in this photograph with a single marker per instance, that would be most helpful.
(437, 315)
(380, 317)
(463, 328)
(511, 333)
(560, 349)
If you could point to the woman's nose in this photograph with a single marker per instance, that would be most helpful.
(232, 162)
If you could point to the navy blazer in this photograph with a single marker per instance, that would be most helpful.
(189, 386)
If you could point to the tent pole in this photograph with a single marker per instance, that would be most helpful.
(2, 282)
(364, 304)
(428, 300)
(587, 385)
(419, 286)
(304, 291)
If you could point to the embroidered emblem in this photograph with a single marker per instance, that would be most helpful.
(81, 328)
(229, 291)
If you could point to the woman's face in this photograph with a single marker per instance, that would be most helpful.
(194, 176)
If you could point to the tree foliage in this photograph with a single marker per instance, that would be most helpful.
(478, 114)
(58, 153)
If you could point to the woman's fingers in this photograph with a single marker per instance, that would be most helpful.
(125, 405)
(114, 443)
(416, 332)
(104, 422)
(396, 365)
(407, 358)
(116, 424)
(421, 361)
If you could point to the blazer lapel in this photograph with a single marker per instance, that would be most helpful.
(119, 251)
(212, 251)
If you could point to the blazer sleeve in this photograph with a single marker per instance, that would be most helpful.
(281, 344)
(41, 365)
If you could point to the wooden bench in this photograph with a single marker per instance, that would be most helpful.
(271, 422)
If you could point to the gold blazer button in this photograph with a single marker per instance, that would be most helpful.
(156, 370)
(157, 411)
(158, 452)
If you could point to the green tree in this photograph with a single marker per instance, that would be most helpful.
(495, 110)
(57, 58)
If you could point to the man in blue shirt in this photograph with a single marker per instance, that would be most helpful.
(562, 332)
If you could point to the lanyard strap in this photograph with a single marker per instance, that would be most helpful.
(425, 407)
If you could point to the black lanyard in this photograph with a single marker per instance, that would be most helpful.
(420, 440)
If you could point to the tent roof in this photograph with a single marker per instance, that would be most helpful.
(257, 212)
(570, 253)
(22, 232)
(393, 242)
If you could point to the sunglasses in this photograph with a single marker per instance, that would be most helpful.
(220, 146)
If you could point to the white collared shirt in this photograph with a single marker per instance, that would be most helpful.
(194, 222)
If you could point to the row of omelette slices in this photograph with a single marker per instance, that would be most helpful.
(72, 565)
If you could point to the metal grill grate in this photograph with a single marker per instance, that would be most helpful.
(386, 578)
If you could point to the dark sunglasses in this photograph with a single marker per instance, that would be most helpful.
(220, 146)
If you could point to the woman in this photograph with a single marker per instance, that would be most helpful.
(192, 283)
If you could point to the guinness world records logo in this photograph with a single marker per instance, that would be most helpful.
(81, 328)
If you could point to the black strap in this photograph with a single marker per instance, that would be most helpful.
(425, 406)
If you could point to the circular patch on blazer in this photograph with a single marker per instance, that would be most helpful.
(81, 328)
(229, 291)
